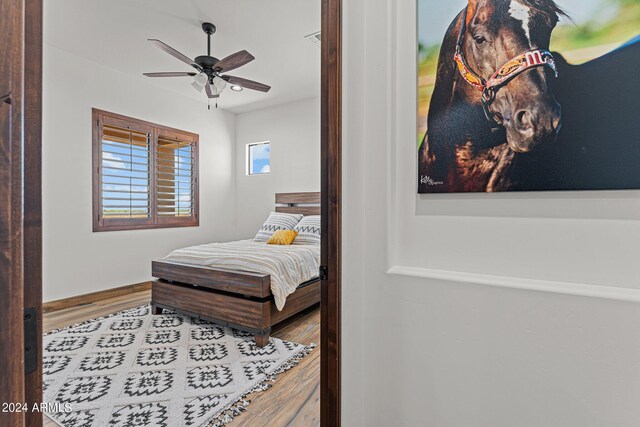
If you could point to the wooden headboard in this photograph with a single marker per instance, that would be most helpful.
(298, 203)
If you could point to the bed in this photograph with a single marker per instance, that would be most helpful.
(230, 295)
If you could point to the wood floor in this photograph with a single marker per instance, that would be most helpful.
(294, 399)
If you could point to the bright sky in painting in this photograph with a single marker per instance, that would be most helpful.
(435, 16)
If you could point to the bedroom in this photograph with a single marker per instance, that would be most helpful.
(174, 167)
(445, 302)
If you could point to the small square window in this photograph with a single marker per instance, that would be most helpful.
(259, 158)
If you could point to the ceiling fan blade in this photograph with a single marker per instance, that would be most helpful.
(248, 84)
(209, 91)
(234, 61)
(171, 51)
(169, 74)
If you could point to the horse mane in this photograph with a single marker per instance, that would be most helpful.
(548, 8)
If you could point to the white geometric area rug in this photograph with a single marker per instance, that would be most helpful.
(134, 369)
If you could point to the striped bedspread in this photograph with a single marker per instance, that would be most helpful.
(288, 266)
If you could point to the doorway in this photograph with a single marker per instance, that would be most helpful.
(21, 225)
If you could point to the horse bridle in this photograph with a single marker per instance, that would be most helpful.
(506, 73)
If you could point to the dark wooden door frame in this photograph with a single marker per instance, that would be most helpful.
(11, 271)
(331, 187)
(33, 194)
(20, 209)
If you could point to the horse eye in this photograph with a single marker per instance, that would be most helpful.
(479, 39)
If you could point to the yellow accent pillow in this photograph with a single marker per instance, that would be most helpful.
(282, 237)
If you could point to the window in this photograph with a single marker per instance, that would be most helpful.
(259, 158)
(145, 175)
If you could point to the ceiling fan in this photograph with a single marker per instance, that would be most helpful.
(210, 70)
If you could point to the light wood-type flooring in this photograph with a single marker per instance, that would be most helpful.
(294, 399)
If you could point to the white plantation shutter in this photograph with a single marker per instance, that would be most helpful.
(146, 176)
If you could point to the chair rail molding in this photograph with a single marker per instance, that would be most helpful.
(567, 288)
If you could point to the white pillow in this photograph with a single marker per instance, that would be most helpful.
(308, 231)
(276, 221)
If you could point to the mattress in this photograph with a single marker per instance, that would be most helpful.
(288, 266)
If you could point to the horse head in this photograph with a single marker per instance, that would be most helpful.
(503, 43)
(494, 66)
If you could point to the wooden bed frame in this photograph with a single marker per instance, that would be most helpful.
(239, 299)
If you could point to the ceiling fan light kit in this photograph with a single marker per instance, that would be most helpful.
(199, 81)
(211, 72)
(219, 84)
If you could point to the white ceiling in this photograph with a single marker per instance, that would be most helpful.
(114, 33)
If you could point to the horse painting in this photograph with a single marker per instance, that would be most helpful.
(506, 114)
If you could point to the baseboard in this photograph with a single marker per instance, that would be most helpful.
(78, 300)
(567, 288)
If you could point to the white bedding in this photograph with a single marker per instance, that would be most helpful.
(288, 266)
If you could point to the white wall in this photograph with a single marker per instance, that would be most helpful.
(294, 132)
(473, 310)
(76, 260)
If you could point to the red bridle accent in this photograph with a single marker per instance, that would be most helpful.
(506, 73)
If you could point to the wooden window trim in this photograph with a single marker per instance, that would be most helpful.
(155, 131)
